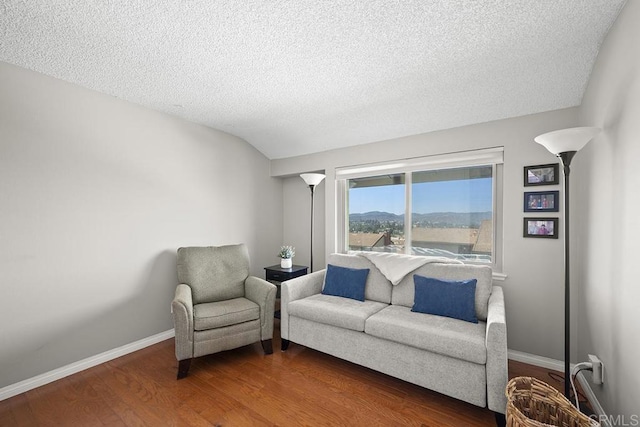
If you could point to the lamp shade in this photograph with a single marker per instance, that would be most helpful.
(566, 140)
(312, 178)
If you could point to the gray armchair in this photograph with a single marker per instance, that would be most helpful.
(218, 306)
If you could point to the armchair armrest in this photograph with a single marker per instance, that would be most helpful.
(262, 293)
(182, 311)
(294, 289)
(497, 361)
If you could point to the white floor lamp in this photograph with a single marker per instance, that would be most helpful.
(312, 179)
(565, 143)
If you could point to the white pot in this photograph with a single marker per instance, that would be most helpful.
(286, 262)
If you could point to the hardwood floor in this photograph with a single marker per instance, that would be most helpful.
(243, 387)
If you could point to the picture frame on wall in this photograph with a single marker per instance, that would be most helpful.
(542, 201)
(546, 228)
(542, 175)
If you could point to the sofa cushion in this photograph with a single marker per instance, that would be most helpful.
(442, 335)
(224, 313)
(450, 298)
(345, 282)
(336, 311)
(378, 288)
(403, 293)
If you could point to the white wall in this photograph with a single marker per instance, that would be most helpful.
(95, 197)
(607, 218)
(534, 286)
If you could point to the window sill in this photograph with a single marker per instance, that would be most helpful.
(499, 277)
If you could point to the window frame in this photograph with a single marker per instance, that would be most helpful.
(493, 157)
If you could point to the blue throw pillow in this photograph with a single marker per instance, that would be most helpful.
(446, 298)
(345, 282)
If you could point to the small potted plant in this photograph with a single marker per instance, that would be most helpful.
(286, 254)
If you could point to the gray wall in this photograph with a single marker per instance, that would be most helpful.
(534, 267)
(607, 216)
(96, 195)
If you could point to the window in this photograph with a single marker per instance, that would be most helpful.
(376, 213)
(439, 206)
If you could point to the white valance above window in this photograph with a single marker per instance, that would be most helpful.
(440, 161)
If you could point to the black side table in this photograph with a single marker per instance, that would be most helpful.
(276, 275)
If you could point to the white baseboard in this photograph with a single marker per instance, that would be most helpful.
(558, 365)
(532, 359)
(65, 371)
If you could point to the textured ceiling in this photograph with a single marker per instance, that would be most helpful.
(301, 76)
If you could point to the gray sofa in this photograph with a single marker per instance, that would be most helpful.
(464, 360)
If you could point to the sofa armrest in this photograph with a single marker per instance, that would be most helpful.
(262, 293)
(182, 311)
(497, 361)
(295, 289)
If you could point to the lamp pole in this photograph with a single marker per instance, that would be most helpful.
(565, 143)
(566, 162)
(312, 180)
(312, 188)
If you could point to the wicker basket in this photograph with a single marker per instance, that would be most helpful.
(534, 403)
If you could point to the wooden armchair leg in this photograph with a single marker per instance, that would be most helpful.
(501, 419)
(267, 346)
(285, 345)
(183, 368)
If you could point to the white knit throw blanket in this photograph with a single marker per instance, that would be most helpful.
(395, 266)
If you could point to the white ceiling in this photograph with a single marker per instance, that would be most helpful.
(301, 76)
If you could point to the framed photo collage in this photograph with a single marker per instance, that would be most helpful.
(541, 202)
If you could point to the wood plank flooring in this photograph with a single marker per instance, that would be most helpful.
(243, 387)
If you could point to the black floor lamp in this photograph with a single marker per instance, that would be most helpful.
(312, 180)
(565, 143)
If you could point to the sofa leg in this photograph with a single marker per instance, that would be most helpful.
(285, 345)
(267, 346)
(501, 420)
(183, 368)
